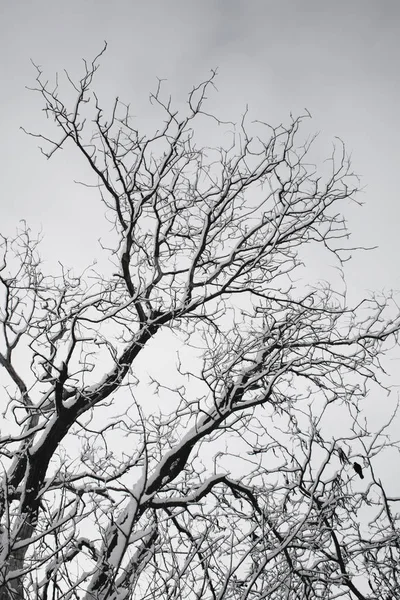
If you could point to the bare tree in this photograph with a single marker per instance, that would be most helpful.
(229, 483)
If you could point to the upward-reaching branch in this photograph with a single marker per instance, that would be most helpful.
(225, 482)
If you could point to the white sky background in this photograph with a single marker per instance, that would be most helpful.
(338, 59)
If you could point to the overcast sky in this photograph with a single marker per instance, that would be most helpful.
(338, 59)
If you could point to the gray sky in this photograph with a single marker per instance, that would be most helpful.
(337, 59)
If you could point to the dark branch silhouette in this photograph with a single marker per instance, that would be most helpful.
(167, 430)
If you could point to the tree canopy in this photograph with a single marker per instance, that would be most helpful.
(219, 475)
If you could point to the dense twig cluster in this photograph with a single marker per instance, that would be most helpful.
(231, 485)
